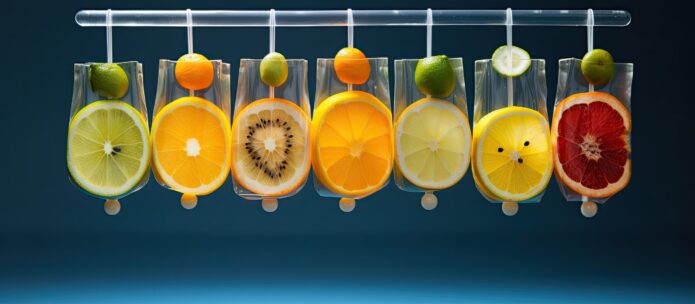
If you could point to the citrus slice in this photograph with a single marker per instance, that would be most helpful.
(269, 139)
(352, 143)
(192, 145)
(108, 148)
(590, 136)
(512, 159)
(433, 143)
(519, 62)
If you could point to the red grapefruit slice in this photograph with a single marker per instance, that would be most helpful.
(590, 138)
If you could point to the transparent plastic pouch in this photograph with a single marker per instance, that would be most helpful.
(358, 117)
(181, 148)
(114, 130)
(512, 155)
(270, 134)
(407, 98)
(591, 133)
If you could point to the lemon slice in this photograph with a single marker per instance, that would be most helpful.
(433, 142)
(352, 143)
(512, 155)
(191, 146)
(108, 148)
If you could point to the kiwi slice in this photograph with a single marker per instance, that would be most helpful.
(270, 156)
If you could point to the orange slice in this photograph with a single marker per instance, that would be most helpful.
(192, 145)
(352, 143)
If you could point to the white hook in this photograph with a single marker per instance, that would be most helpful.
(189, 26)
(109, 37)
(272, 30)
(510, 82)
(350, 28)
(590, 29)
(429, 32)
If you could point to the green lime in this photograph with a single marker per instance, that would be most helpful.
(108, 148)
(108, 80)
(515, 66)
(598, 67)
(434, 76)
(274, 69)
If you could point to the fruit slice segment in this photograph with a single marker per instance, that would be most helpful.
(191, 143)
(352, 142)
(590, 136)
(519, 62)
(269, 141)
(511, 154)
(433, 142)
(108, 148)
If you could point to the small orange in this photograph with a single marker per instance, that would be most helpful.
(351, 66)
(194, 71)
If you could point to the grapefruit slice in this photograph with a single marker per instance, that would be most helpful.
(590, 138)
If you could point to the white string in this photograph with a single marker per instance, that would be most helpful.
(189, 25)
(109, 37)
(590, 36)
(350, 35)
(510, 82)
(429, 32)
(271, 31)
(590, 47)
(350, 28)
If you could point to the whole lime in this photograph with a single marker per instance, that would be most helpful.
(108, 80)
(434, 76)
(274, 69)
(598, 67)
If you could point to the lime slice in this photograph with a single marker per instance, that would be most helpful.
(519, 62)
(108, 148)
(433, 143)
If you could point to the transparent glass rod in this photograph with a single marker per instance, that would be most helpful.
(323, 18)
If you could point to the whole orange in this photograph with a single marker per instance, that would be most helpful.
(351, 66)
(194, 71)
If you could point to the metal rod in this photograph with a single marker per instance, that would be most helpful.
(326, 18)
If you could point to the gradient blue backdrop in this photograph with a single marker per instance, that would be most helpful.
(57, 245)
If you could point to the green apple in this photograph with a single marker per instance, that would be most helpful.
(274, 69)
(598, 67)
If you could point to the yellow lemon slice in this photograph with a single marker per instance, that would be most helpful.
(433, 143)
(512, 154)
(191, 145)
(352, 143)
(108, 148)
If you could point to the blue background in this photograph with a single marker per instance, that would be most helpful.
(56, 243)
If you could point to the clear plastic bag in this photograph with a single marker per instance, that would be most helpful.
(514, 108)
(330, 90)
(270, 133)
(214, 102)
(110, 115)
(405, 96)
(603, 150)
